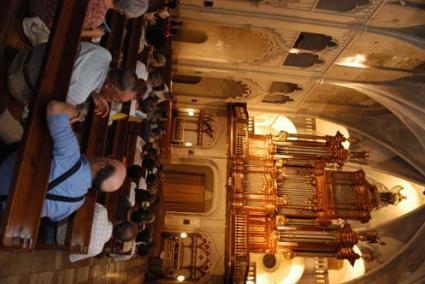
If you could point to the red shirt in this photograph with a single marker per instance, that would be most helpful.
(45, 10)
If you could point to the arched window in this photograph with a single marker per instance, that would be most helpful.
(186, 79)
(313, 41)
(303, 59)
(340, 5)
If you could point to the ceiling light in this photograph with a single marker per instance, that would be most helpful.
(294, 50)
(181, 278)
(183, 235)
(191, 112)
(188, 144)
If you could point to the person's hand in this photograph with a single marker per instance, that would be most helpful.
(101, 105)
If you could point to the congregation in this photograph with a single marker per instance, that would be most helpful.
(122, 224)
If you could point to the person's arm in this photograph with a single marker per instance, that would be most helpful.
(59, 118)
(56, 108)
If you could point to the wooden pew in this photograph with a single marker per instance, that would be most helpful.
(8, 12)
(166, 75)
(94, 146)
(26, 197)
(119, 141)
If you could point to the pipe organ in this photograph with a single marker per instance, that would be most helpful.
(292, 194)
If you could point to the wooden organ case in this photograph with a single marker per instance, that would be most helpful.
(288, 195)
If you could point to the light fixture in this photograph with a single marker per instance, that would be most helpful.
(181, 278)
(294, 50)
(190, 112)
(183, 235)
(188, 144)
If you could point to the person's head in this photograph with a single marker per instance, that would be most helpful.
(151, 152)
(125, 231)
(139, 215)
(143, 249)
(143, 236)
(158, 60)
(148, 163)
(155, 79)
(134, 172)
(121, 85)
(131, 8)
(107, 174)
(151, 180)
(150, 218)
(142, 195)
(157, 133)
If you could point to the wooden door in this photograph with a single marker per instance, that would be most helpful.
(183, 191)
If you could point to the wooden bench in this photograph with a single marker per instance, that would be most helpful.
(94, 145)
(8, 12)
(120, 139)
(26, 197)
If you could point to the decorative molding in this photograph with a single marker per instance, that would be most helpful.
(277, 46)
(253, 91)
(275, 3)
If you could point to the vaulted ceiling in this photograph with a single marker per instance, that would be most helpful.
(359, 63)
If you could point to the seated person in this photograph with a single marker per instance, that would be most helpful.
(95, 14)
(135, 172)
(139, 215)
(144, 249)
(141, 71)
(144, 199)
(156, 60)
(142, 196)
(66, 196)
(123, 207)
(144, 239)
(145, 236)
(154, 80)
(101, 232)
(148, 163)
(91, 76)
(152, 184)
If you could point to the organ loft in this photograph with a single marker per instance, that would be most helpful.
(290, 195)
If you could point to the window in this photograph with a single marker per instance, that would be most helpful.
(303, 59)
(186, 79)
(341, 5)
(313, 42)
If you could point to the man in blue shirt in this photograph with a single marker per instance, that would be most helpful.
(101, 173)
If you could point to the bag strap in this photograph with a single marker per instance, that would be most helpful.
(64, 176)
(55, 183)
(61, 198)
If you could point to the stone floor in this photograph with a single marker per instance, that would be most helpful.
(45, 267)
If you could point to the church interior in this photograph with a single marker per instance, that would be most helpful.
(266, 141)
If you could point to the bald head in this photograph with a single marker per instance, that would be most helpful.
(108, 174)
